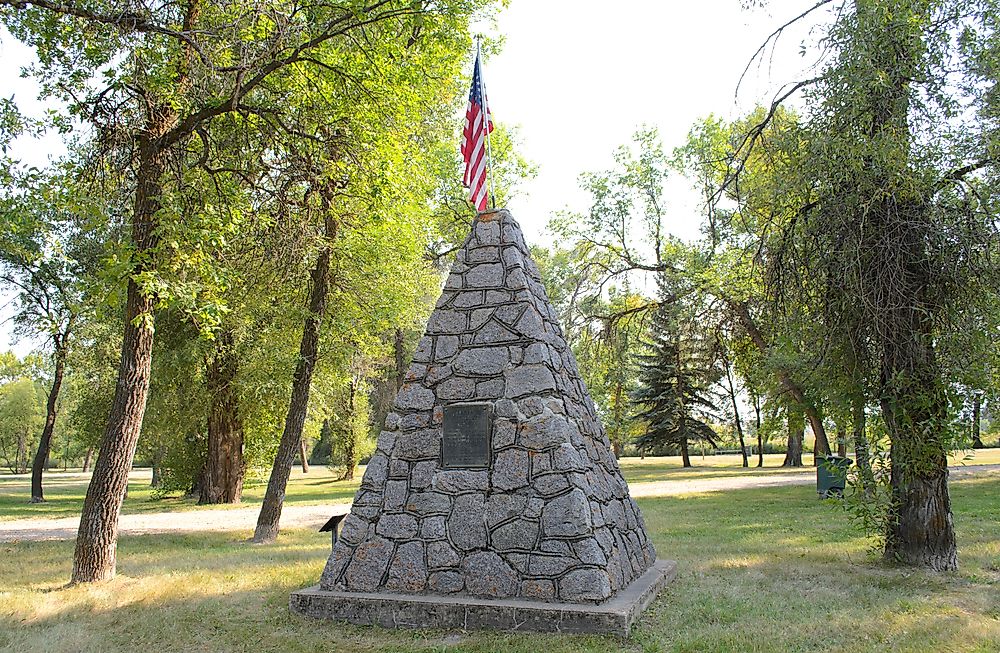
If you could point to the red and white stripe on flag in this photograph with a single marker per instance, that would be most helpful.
(474, 142)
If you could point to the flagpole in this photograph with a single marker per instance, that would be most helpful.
(486, 123)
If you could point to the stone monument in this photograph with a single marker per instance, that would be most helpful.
(493, 498)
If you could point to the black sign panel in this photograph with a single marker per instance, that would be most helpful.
(466, 440)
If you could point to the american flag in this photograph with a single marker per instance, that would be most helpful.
(474, 140)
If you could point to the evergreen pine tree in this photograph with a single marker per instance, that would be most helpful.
(675, 383)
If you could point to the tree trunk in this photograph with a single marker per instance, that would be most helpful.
(303, 454)
(400, 352)
(736, 411)
(86, 459)
(796, 433)
(350, 448)
(842, 440)
(760, 435)
(97, 538)
(822, 446)
(685, 456)
(94, 557)
(157, 479)
(861, 451)
(914, 402)
(977, 408)
(270, 510)
(224, 466)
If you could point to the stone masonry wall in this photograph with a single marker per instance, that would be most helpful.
(551, 518)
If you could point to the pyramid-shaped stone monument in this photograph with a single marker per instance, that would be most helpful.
(493, 484)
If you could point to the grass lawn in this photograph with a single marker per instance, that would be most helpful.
(65, 491)
(770, 569)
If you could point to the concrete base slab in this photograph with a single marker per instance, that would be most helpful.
(615, 616)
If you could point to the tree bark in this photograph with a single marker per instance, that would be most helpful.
(796, 433)
(51, 406)
(94, 557)
(97, 538)
(303, 455)
(736, 411)
(685, 456)
(977, 408)
(270, 511)
(224, 466)
(760, 435)
(921, 530)
(86, 459)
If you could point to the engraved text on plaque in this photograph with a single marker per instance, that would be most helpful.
(466, 441)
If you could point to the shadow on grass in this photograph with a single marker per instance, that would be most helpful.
(767, 569)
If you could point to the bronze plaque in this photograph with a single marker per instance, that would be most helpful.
(466, 441)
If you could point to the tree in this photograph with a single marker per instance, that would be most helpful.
(675, 378)
(740, 250)
(21, 415)
(894, 228)
(730, 387)
(37, 259)
(387, 205)
(604, 329)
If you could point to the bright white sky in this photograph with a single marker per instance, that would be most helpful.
(578, 77)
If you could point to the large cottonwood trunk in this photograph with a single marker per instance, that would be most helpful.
(796, 434)
(274, 498)
(51, 405)
(914, 406)
(94, 557)
(224, 466)
(899, 277)
(97, 538)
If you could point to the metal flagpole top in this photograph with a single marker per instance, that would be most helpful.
(487, 122)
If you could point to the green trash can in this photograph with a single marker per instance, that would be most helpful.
(831, 476)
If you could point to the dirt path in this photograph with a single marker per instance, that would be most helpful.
(187, 521)
(717, 484)
(314, 516)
